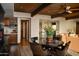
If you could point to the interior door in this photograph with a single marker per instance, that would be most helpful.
(77, 28)
(25, 30)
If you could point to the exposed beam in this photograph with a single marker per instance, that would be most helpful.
(67, 15)
(41, 7)
(68, 18)
(72, 15)
(59, 14)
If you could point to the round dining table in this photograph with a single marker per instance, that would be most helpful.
(53, 45)
(56, 43)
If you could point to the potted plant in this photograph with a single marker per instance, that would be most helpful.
(49, 32)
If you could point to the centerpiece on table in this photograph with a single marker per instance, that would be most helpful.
(49, 32)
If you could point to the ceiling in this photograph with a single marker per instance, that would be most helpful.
(52, 9)
(26, 7)
(8, 8)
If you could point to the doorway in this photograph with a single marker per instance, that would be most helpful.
(77, 27)
(25, 30)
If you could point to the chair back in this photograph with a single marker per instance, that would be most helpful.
(34, 39)
(66, 47)
(63, 51)
(37, 49)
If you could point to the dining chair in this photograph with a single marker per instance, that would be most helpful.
(63, 51)
(34, 39)
(37, 50)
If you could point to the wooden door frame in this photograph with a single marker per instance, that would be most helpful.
(77, 23)
(29, 28)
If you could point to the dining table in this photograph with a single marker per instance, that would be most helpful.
(53, 45)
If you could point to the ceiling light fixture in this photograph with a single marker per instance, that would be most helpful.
(68, 9)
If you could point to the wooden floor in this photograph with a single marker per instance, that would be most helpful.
(73, 53)
(23, 51)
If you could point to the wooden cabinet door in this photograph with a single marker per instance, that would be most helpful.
(6, 21)
(12, 39)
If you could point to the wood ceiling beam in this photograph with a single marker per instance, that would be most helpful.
(67, 15)
(73, 17)
(59, 15)
(41, 7)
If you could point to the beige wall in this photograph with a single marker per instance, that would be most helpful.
(34, 23)
(65, 25)
(62, 25)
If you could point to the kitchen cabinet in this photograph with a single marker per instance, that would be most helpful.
(6, 21)
(10, 31)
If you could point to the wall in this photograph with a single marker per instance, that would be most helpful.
(58, 20)
(34, 23)
(62, 24)
(67, 25)
(20, 16)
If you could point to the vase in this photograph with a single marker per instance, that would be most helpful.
(49, 40)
